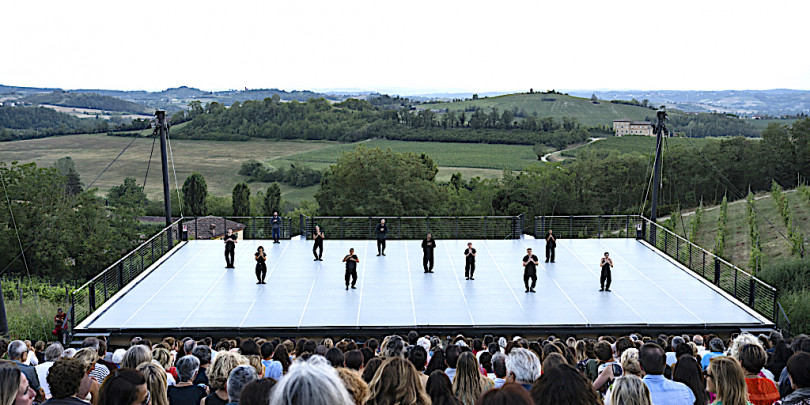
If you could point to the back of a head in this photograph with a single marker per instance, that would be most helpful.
(603, 350)
(88, 355)
(729, 380)
(396, 381)
(311, 382)
(357, 388)
(451, 356)
(524, 364)
(267, 350)
(652, 359)
(189, 345)
(698, 339)
(393, 346)
(257, 392)
(248, 348)
(418, 357)
(16, 350)
(630, 363)
(91, 342)
(353, 359)
(689, 372)
(65, 377)
(564, 385)
(630, 390)
(156, 382)
(752, 358)
(238, 378)
(440, 389)
(335, 357)
(467, 368)
(203, 354)
(136, 355)
(798, 367)
(509, 394)
(622, 344)
(121, 387)
(499, 365)
(371, 369)
(187, 367)
(486, 361)
(413, 336)
(553, 360)
(677, 341)
(716, 345)
(221, 368)
(54, 351)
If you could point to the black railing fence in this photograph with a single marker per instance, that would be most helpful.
(87, 298)
(252, 227)
(587, 226)
(486, 227)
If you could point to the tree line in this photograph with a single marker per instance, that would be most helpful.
(18, 123)
(295, 175)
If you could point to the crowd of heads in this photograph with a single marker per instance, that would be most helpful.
(413, 369)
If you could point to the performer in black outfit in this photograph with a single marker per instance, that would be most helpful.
(351, 268)
(317, 236)
(530, 263)
(382, 231)
(275, 225)
(604, 279)
(230, 247)
(469, 266)
(261, 265)
(428, 244)
(551, 243)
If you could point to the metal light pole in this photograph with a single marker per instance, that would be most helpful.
(163, 130)
(660, 132)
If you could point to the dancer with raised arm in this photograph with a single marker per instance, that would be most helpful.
(230, 241)
(604, 279)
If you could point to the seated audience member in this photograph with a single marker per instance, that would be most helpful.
(218, 376)
(238, 378)
(687, 371)
(52, 354)
(469, 384)
(485, 359)
(800, 343)
(100, 371)
(354, 360)
(123, 387)
(14, 387)
(418, 357)
(397, 382)
(725, 378)
(371, 369)
(270, 366)
(203, 354)
(522, 367)
(437, 362)
(778, 359)
(335, 357)
(393, 346)
(354, 384)
(672, 356)
(745, 339)
(662, 391)
(451, 358)
(310, 382)
(629, 390)
(136, 355)
(282, 356)
(185, 392)
(798, 368)
(156, 382)
(118, 357)
(609, 369)
(18, 353)
(257, 392)
(440, 389)
(564, 385)
(761, 390)
(553, 360)
(164, 359)
(90, 385)
(499, 369)
(716, 348)
(510, 394)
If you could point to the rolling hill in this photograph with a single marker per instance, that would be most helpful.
(89, 100)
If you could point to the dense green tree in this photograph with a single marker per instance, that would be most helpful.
(128, 194)
(272, 199)
(195, 194)
(67, 168)
(240, 199)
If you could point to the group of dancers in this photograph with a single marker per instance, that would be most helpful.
(530, 261)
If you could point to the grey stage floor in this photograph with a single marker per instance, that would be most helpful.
(193, 290)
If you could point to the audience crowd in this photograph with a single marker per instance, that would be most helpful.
(412, 370)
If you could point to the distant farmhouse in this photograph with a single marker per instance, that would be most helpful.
(627, 127)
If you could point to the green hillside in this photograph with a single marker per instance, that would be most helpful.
(92, 101)
(636, 144)
(554, 105)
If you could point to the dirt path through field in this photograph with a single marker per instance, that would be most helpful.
(556, 153)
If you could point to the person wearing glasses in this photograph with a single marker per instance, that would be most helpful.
(726, 379)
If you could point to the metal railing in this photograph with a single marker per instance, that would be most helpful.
(587, 226)
(485, 227)
(87, 298)
(742, 285)
(782, 322)
(251, 227)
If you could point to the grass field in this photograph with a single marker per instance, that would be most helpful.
(637, 144)
(762, 124)
(555, 105)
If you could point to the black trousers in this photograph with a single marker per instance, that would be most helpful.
(351, 274)
(549, 253)
(380, 246)
(318, 245)
(261, 271)
(530, 276)
(229, 257)
(469, 269)
(604, 278)
(427, 261)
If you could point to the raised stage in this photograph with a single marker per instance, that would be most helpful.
(191, 291)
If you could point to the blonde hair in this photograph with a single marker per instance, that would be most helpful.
(222, 366)
(580, 350)
(256, 362)
(630, 390)
(88, 356)
(12, 378)
(156, 382)
(163, 357)
(630, 362)
(739, 342)
(729, 380)
(396, 382)
(135, 356)
(469, 384)
(357, 388)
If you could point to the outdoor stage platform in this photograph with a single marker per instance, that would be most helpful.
(190, 292)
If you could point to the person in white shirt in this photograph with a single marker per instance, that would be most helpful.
(52, 353)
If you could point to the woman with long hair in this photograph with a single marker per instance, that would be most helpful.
(688, 371)
(725, 378)
(14, 388)
(437, 362)
(440, 389)
(397, 382)
(156, 382)
(281, 355)
(218, 376)
(124, 387)
(630, 390)
(469, 384)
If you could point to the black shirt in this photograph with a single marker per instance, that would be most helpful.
(190, 395)
(229, 241)
(214, 399)
(275, 222)
(260, 258)
(605, 265)
(530, 267)
(551, 241)
(381, 231)
(428, 246)
(318, 238)
(351, 264)
(470, 258)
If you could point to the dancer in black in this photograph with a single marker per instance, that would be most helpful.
(261, 265)
(351, 268)
(275, 225)
(469, 266)
(428, 244)
(551, 243)
(381, 231)
(230, 247)
(604, 279)
(317, 236)
(530, 263)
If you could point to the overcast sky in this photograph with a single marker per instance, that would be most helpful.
(419, 45)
